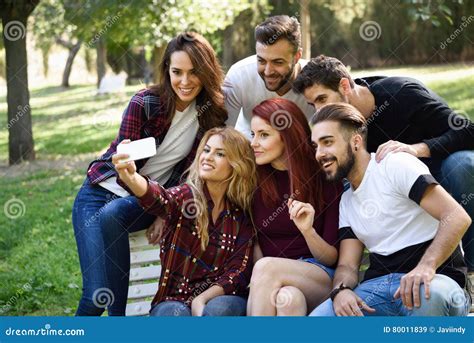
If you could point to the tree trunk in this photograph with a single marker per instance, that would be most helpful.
(158, 53)
(305, 29)
(227, 54)
(101, 59)
(20, 142)
(73, 50)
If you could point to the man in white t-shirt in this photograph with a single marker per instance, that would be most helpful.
(268, 74)
(409, 224)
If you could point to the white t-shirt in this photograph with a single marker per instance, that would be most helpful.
(176, 145)
(244, 89)
(381, 212)
(384, 214)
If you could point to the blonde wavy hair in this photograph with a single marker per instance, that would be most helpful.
(242, 181)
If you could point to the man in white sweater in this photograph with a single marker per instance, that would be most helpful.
(268, 74)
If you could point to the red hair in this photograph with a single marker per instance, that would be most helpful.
(305, 173)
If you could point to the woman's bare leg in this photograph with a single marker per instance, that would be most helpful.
(290, 301)
(272, 273)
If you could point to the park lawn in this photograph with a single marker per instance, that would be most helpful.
(39, 267)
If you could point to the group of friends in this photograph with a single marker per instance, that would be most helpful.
(269, 182)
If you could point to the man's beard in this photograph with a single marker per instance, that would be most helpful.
(283, 82)
(343, 169)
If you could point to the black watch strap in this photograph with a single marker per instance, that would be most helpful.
(336, 290)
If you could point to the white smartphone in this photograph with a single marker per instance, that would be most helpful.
(138, 149)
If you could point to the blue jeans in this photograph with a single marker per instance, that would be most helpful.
(330, 271)
(447, 298)
(98, 214)
(223, 305)
(456, 174)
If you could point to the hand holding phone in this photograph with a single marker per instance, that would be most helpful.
(137, 150)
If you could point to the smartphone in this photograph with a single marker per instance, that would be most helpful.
(137, 150)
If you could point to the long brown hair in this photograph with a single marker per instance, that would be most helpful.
(304, 171)
(210, 101)
(242, 181)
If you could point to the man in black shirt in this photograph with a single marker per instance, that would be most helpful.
(403, 115)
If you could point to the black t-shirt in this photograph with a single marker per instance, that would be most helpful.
(408, 112)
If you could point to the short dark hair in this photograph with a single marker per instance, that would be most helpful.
(322, 70)
(349, 118)
(279, 27)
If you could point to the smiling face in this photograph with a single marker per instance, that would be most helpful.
(333, 152)
(267, 144)
(319, 95)
(184, 80)
(276, 63)
(213, 163)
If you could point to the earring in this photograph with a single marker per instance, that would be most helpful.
(356, 148)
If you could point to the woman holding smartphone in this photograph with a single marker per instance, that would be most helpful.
(176, 112)
(206, 244)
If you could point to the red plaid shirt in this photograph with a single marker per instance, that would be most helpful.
(186, 270)
(144, 117)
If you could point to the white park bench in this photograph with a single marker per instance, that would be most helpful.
(145, 271)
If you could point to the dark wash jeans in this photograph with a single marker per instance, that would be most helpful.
(102, 222)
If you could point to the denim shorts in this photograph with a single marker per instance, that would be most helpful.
(314, 261)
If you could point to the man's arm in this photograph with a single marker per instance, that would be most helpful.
(350, 256)
(444, 130)
(453, 223)
(347, 302)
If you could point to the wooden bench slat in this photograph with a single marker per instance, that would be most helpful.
(140, 308)
(143, 290)
(146, 256)
(138, 240)
(145, 273)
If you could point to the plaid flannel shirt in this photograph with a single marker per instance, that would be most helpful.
(186, 270)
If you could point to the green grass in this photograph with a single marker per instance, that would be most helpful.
(39, 267)
(69, 122)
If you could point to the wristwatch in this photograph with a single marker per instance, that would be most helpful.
(336, 290)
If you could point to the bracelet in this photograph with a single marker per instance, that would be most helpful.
(336, 291)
